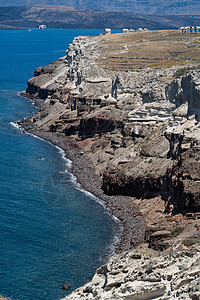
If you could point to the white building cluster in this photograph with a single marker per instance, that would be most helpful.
(189, 29)
(142, 29)
(107, 31)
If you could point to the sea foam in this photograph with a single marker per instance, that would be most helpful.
(77, 186)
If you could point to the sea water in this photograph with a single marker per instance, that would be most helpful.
(51, 232)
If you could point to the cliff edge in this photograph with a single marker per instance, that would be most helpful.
(131, 104)
(145, 274)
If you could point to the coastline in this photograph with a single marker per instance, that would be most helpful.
(136, 152)
(120, 207)
(118, 127)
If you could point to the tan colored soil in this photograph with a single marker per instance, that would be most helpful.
(154, 49)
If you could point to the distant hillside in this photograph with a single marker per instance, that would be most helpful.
(68, 17)
(167, 7)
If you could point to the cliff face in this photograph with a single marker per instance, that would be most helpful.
(135, 113)
(142, 122)
(144, 274)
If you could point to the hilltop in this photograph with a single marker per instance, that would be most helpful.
(169, 7)
(58, 16)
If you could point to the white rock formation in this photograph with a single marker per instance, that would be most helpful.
(144, 275)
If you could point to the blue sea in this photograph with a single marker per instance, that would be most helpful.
(51, 232)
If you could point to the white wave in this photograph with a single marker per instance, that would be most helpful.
(117, 236)
(79, 188)
(15, 125)
(31, 101)
(115, 242)
(37, 137)
(19, 93)
(28, 99)
(18, 127)
(89, 194)
(73, 178)
(67, 160)
(61, 151)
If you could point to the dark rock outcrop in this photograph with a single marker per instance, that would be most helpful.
(99, 123)
(140, 187)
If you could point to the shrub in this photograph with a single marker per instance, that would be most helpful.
(120, 173)
(183, 71)
(190, 242)
(95, 293)
(180, 72)
(176, 231)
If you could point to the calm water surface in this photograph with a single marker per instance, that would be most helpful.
(51, 233)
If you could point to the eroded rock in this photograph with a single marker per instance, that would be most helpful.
(149, 275)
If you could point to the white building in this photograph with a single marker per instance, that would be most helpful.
(107, 31)
(189, 29)
(42, 26)
(125, 30)
(142, 30)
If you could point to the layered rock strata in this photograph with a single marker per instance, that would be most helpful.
(131, 114)
(134, 112)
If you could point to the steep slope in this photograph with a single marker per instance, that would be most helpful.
(130, 106)
(168, 7)
(135, 113)
(58, 16)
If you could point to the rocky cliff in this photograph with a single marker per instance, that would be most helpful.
(131, 104)
(144, 274)
(135, 112)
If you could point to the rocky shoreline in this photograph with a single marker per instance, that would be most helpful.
(128, 118)
(144, 275)
(121, 207)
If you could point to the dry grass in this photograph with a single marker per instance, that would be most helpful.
(155, 49)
